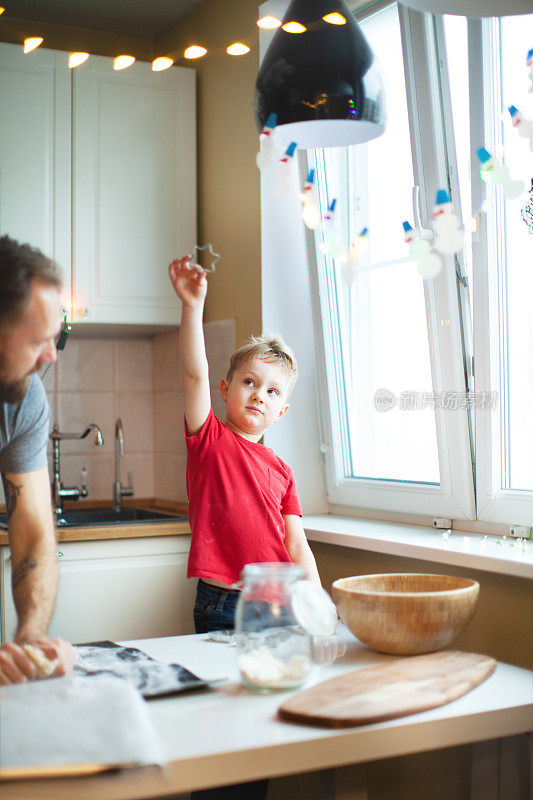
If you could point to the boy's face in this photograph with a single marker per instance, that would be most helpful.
(255, 397)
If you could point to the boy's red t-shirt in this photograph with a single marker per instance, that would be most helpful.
(238, 491)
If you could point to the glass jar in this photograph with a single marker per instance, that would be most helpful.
(274, 650)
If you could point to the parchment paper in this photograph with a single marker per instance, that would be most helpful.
(75, 720)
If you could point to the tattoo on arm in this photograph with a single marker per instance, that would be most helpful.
(22, 569)
(12, 493)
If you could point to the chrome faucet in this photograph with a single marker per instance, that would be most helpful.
(120, 491)
(60, 492)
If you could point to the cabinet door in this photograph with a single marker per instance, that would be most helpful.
(116, 589)
(134, 190)
(35, 150)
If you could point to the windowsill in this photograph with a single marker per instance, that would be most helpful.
(413, 541)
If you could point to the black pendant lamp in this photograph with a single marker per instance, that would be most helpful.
(323, 84)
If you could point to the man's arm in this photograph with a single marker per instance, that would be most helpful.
(33, 552)
(34, 574)
(298, 547)
(191, 287)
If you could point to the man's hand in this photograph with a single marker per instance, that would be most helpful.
(17, 667)
(57, 649)
(189, 283)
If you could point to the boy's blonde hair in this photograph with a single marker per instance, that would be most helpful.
(269, 347)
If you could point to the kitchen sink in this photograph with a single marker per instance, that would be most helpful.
(78, 517)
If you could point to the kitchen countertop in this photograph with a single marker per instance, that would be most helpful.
(123, 530)
(228, 734)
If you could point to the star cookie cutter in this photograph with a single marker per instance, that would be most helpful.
(194, 261)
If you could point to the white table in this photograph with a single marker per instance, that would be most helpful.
(229, 735)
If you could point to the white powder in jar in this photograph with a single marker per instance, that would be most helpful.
(261, 668)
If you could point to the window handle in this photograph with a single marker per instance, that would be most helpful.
(425, 233)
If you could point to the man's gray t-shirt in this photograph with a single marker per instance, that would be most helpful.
(24, 431)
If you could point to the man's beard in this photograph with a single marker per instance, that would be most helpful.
(15, 391)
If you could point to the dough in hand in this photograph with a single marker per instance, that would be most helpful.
(45, 666)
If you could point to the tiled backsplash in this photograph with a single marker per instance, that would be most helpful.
(139, 380)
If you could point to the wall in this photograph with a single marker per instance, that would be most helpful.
(228, 179)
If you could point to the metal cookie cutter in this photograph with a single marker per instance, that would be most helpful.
(194, 260)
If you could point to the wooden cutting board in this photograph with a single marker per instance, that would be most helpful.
(399, 687)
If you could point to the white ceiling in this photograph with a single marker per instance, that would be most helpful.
(135, 17)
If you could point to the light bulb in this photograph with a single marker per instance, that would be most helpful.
(268, 23)
(75, 59)
(294, 27)
(2, 9)
(237, 49)
(195, 51)
(161, 63)
(122, 62)
(334, 19)
(31, 43)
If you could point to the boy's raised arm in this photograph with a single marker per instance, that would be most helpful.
(191, 287)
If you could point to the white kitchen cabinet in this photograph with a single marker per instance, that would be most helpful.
(35, 150)
(98, 169)
(115, 589)
(134, 178)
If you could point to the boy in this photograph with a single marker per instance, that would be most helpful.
(243, 505)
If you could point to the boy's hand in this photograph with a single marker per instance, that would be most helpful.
(190, 283)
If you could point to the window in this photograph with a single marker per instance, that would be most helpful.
(381, 320)
(405, 415)
(396, 392)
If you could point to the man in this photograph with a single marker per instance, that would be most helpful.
(29, 325)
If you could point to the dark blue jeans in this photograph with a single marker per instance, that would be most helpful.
(214, 610)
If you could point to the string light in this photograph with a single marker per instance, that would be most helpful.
(237, 49)
(31, 43)
(161, 63)
(2, 9)
(123, 62)
(334, 18)
(75, 59)
(294, 27)
(195, 51)
(268, 23)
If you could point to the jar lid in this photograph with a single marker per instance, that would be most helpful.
(314, 609)
(277, 570)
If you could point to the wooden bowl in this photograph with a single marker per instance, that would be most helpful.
(405, 613)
